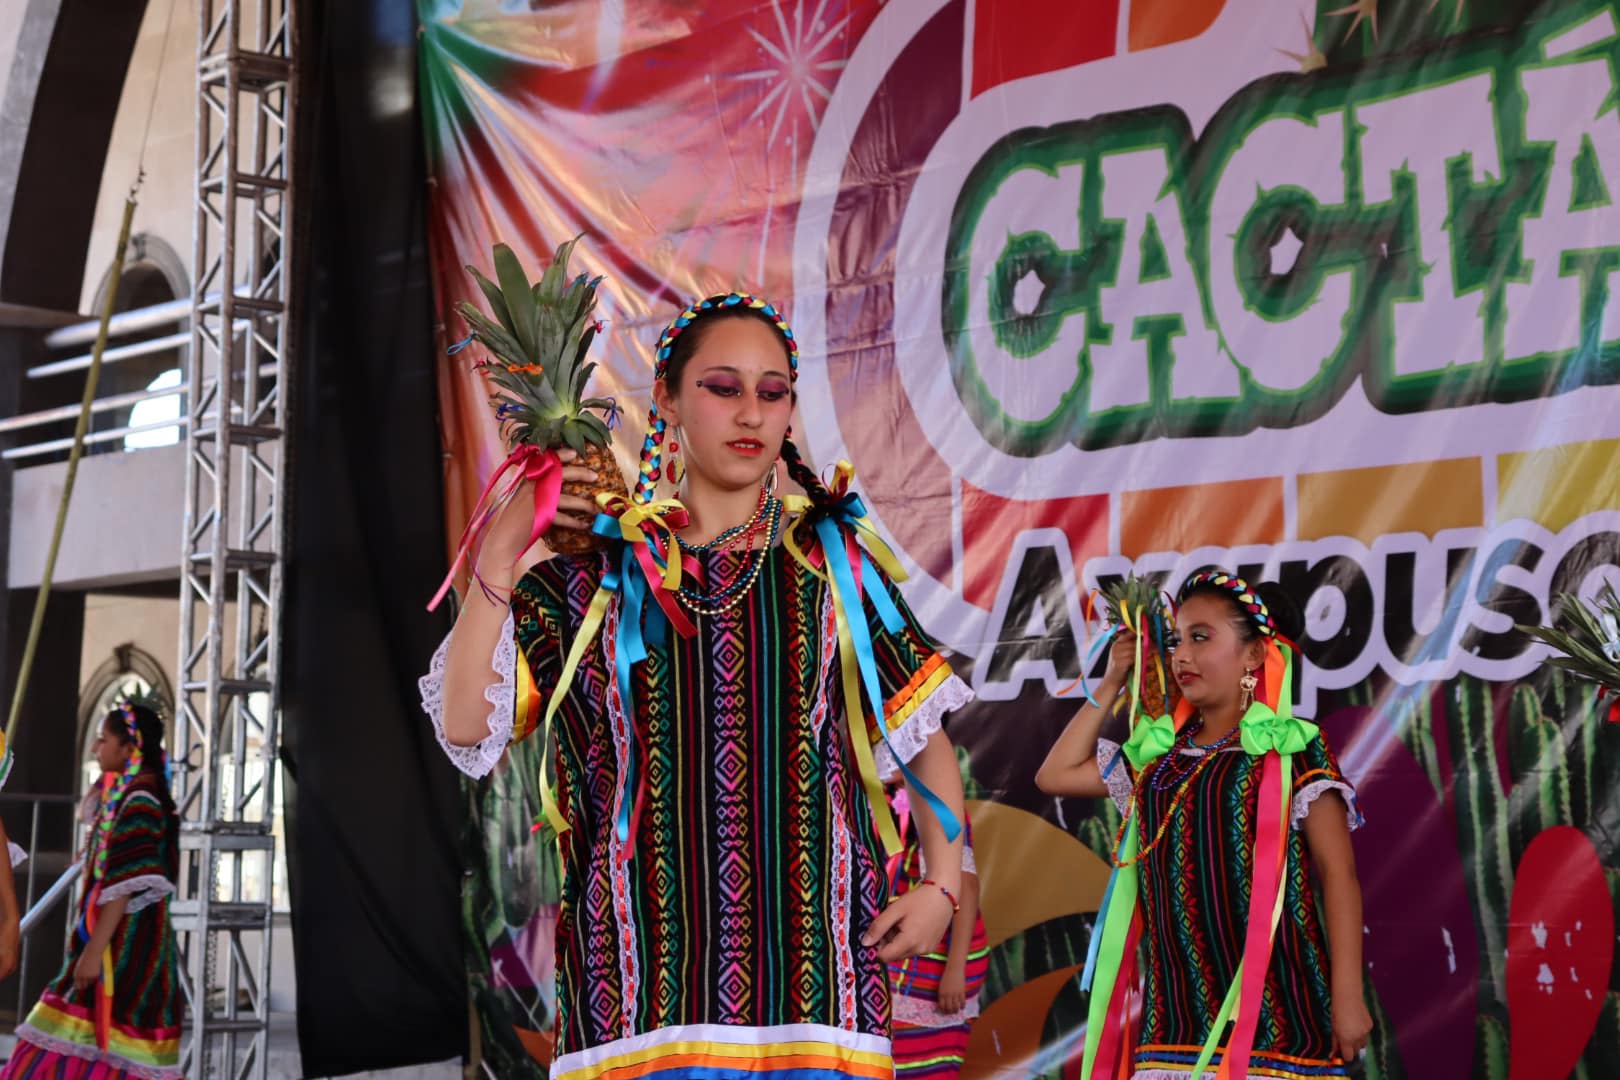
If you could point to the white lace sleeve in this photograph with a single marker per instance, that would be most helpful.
(1111, 763)
(479, 758)
(910, 737)
(143, 892)
(18, 855)
(969, 864)
(1315, 790)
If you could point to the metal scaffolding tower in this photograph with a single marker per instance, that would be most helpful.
(226, 725)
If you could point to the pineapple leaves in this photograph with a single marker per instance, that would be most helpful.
(520, 302)
(492, 293)
(596, 431)
(493, 336)
(571, 435)
(1587, 635)
(540, 335)
(581, 377)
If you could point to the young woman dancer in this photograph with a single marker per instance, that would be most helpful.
(712, 681)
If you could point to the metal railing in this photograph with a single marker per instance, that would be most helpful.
(37, 906)
(71, 343)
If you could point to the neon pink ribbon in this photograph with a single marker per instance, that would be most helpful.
(524, 463)
(1270, 848)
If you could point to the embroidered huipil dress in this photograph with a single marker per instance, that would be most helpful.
(1195, 907)
(722, 938)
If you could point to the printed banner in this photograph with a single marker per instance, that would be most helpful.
(1320, 294)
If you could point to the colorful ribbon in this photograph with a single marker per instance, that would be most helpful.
(641, 565)
(1151, 740)
(526, 462)
(838, 559)
(1268, 729)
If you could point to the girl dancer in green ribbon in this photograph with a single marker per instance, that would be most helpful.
(1222, 807)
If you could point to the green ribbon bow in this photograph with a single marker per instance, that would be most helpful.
(1151, 740)
(1263, 730)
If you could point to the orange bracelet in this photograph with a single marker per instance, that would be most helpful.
(956, 907)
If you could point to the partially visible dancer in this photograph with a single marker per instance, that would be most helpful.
(936, 994)
(115, 1009)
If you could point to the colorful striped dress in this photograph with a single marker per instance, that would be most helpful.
(58, 1040)
(1195, 906)
(722, 937)
(928, 1043)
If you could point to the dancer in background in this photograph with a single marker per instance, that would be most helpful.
(115, 1009)
(1202, 836)
(936, 994)
(718, 743)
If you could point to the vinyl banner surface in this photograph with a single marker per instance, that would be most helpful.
(1320, 294)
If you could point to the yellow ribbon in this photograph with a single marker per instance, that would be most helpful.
(848, 510)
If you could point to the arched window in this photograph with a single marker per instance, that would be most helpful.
(127, 670)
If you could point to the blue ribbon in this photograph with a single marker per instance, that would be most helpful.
(630, 648)
(1096, 931)
(1091, 659)
(838, 565)
(458, 346)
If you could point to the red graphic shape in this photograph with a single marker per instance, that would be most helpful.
(1560, 948)
(1014, 41)
(990, 523)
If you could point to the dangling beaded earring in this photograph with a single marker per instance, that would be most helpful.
(1247, 685)
(675, 470)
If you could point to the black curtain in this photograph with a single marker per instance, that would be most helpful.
(374, 809)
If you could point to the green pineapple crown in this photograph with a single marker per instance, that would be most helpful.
(1138, 595)
(1588, 636)
(538, 338)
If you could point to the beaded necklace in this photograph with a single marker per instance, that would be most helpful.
(113, 794)
(728, 539)
(729, 596)
(1183, 780)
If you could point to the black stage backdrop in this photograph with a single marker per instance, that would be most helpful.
(374, 810)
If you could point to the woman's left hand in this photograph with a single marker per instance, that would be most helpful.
(911, 925)
(952, 990)
(87, 971)
(1352, 1026)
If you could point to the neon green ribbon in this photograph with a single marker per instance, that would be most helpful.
(1151, 740)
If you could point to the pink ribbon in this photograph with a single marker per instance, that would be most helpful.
(524, 463)
(1115, 1046)
(1270, 849)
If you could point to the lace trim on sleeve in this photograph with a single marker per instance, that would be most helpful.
(18, 855)
(1315, 790)
(910, 737)
(143, 892)
(1114, 773)
(482, 756)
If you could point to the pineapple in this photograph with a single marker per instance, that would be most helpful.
(1139, 597)
(1589, 638)
(538, 339)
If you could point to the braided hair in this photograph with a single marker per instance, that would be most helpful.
(1265, 609)
(138, 723)
(676, 346)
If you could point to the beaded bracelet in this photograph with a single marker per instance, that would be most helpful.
(956, 906)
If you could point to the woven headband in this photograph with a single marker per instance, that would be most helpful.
(1249, 600)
